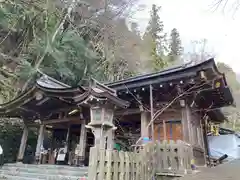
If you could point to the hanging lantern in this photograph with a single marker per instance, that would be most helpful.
(182, 103)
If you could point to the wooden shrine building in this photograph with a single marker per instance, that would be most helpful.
(174, 104)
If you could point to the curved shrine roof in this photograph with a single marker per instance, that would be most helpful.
(170, 74)
(49, 95)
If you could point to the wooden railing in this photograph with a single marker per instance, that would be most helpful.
(173, 157)
(199, 156)
(153, 158)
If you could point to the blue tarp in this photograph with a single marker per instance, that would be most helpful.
(224, 144)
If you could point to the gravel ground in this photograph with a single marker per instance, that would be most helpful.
(227, 171)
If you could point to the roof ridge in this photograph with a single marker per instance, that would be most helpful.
(51, 79)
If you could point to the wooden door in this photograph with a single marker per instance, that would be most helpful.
(173, 131)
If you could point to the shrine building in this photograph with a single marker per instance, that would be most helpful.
(173, 104)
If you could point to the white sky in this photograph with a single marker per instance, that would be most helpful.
(195, 19)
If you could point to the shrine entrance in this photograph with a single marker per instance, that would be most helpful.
(168, 130)
(62, 146)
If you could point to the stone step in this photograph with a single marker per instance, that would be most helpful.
(8, 177)
(19, 171)
(33, 169)
(46, 166)
(80, 172)
(40, 176)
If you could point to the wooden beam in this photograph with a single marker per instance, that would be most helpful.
(59, 121)
(127, 112)
(152, 110)
(42, 101)
(65, 109)
(136, 111)
(27, 100)
(29, 110)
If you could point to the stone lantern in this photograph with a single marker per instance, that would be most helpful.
(101, 123)
(102, 101)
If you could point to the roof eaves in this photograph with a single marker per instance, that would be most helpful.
(20, 99)
(184, 67)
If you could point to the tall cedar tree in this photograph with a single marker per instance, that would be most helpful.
(175, 46)
(155, 38)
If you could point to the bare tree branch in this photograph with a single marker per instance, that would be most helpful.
(223, 4)
(160, 111)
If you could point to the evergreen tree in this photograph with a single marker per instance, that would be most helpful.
(154, 39)
(135, 29)
(175, 45)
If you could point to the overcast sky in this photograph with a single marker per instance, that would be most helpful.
(196, 19)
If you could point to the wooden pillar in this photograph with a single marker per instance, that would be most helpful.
(144, 123)
(186, 124)
(164, 130)
(82, 143)
(190, 125)
(198, 137)
(152, 112)
(51, 159)
(102, 141)
(67, 140)
(201, 135)
(194, 140)
(205, 139)
(39, 143)
(97, 136)
(23, 144)
(110, 140)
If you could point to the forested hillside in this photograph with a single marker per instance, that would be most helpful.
(73, 40)
(232, 113)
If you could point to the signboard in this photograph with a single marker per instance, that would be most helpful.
(61, 154)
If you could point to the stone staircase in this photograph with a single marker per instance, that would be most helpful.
(19, 171)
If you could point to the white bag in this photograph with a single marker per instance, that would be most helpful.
(1, 150)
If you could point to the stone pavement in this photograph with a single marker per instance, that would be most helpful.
(228, 171)
(17, 171)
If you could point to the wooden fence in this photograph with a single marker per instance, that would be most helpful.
(173, 157)
(153, 158)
